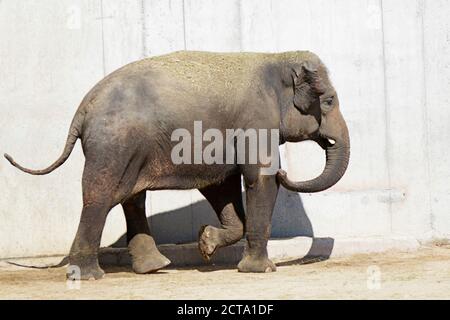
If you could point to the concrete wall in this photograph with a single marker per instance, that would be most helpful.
(389, 60)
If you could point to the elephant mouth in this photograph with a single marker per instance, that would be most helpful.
(323, 141)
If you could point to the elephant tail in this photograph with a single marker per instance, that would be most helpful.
(60, 264)
(74, 134)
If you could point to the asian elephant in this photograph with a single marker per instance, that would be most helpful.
(125, 125)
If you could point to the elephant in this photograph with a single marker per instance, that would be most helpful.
(125, 124)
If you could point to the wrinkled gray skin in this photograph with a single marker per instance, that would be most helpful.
(125, 124)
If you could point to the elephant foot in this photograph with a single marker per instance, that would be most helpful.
(208, 241)
(250, 264)
(94, 273)
(84, 268)
(148, 264)
(145, 255)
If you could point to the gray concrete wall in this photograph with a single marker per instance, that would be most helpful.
(389, 60)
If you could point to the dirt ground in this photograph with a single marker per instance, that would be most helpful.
(424, 274)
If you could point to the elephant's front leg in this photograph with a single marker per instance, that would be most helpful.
(261, 196)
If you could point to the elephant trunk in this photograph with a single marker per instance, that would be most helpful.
(337, 158)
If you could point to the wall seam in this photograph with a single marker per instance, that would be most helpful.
(148, 199)
(144, 30)
(184, 25)
(425, 116)
(241, 40)
(386, 112)
(103, 37)
(191, 204)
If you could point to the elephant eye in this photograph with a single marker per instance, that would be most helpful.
(327, 103)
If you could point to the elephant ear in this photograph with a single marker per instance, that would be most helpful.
(307, 85)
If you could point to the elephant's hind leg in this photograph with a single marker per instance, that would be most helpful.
(144, 253)
(107, 181)
(84, 251)
(134, 209)
(98, 199)
(226, 200)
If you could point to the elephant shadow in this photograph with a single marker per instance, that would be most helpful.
(289, 220)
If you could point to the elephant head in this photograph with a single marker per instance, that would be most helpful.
(311, 112)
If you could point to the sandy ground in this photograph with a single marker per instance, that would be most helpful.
(424, 274)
